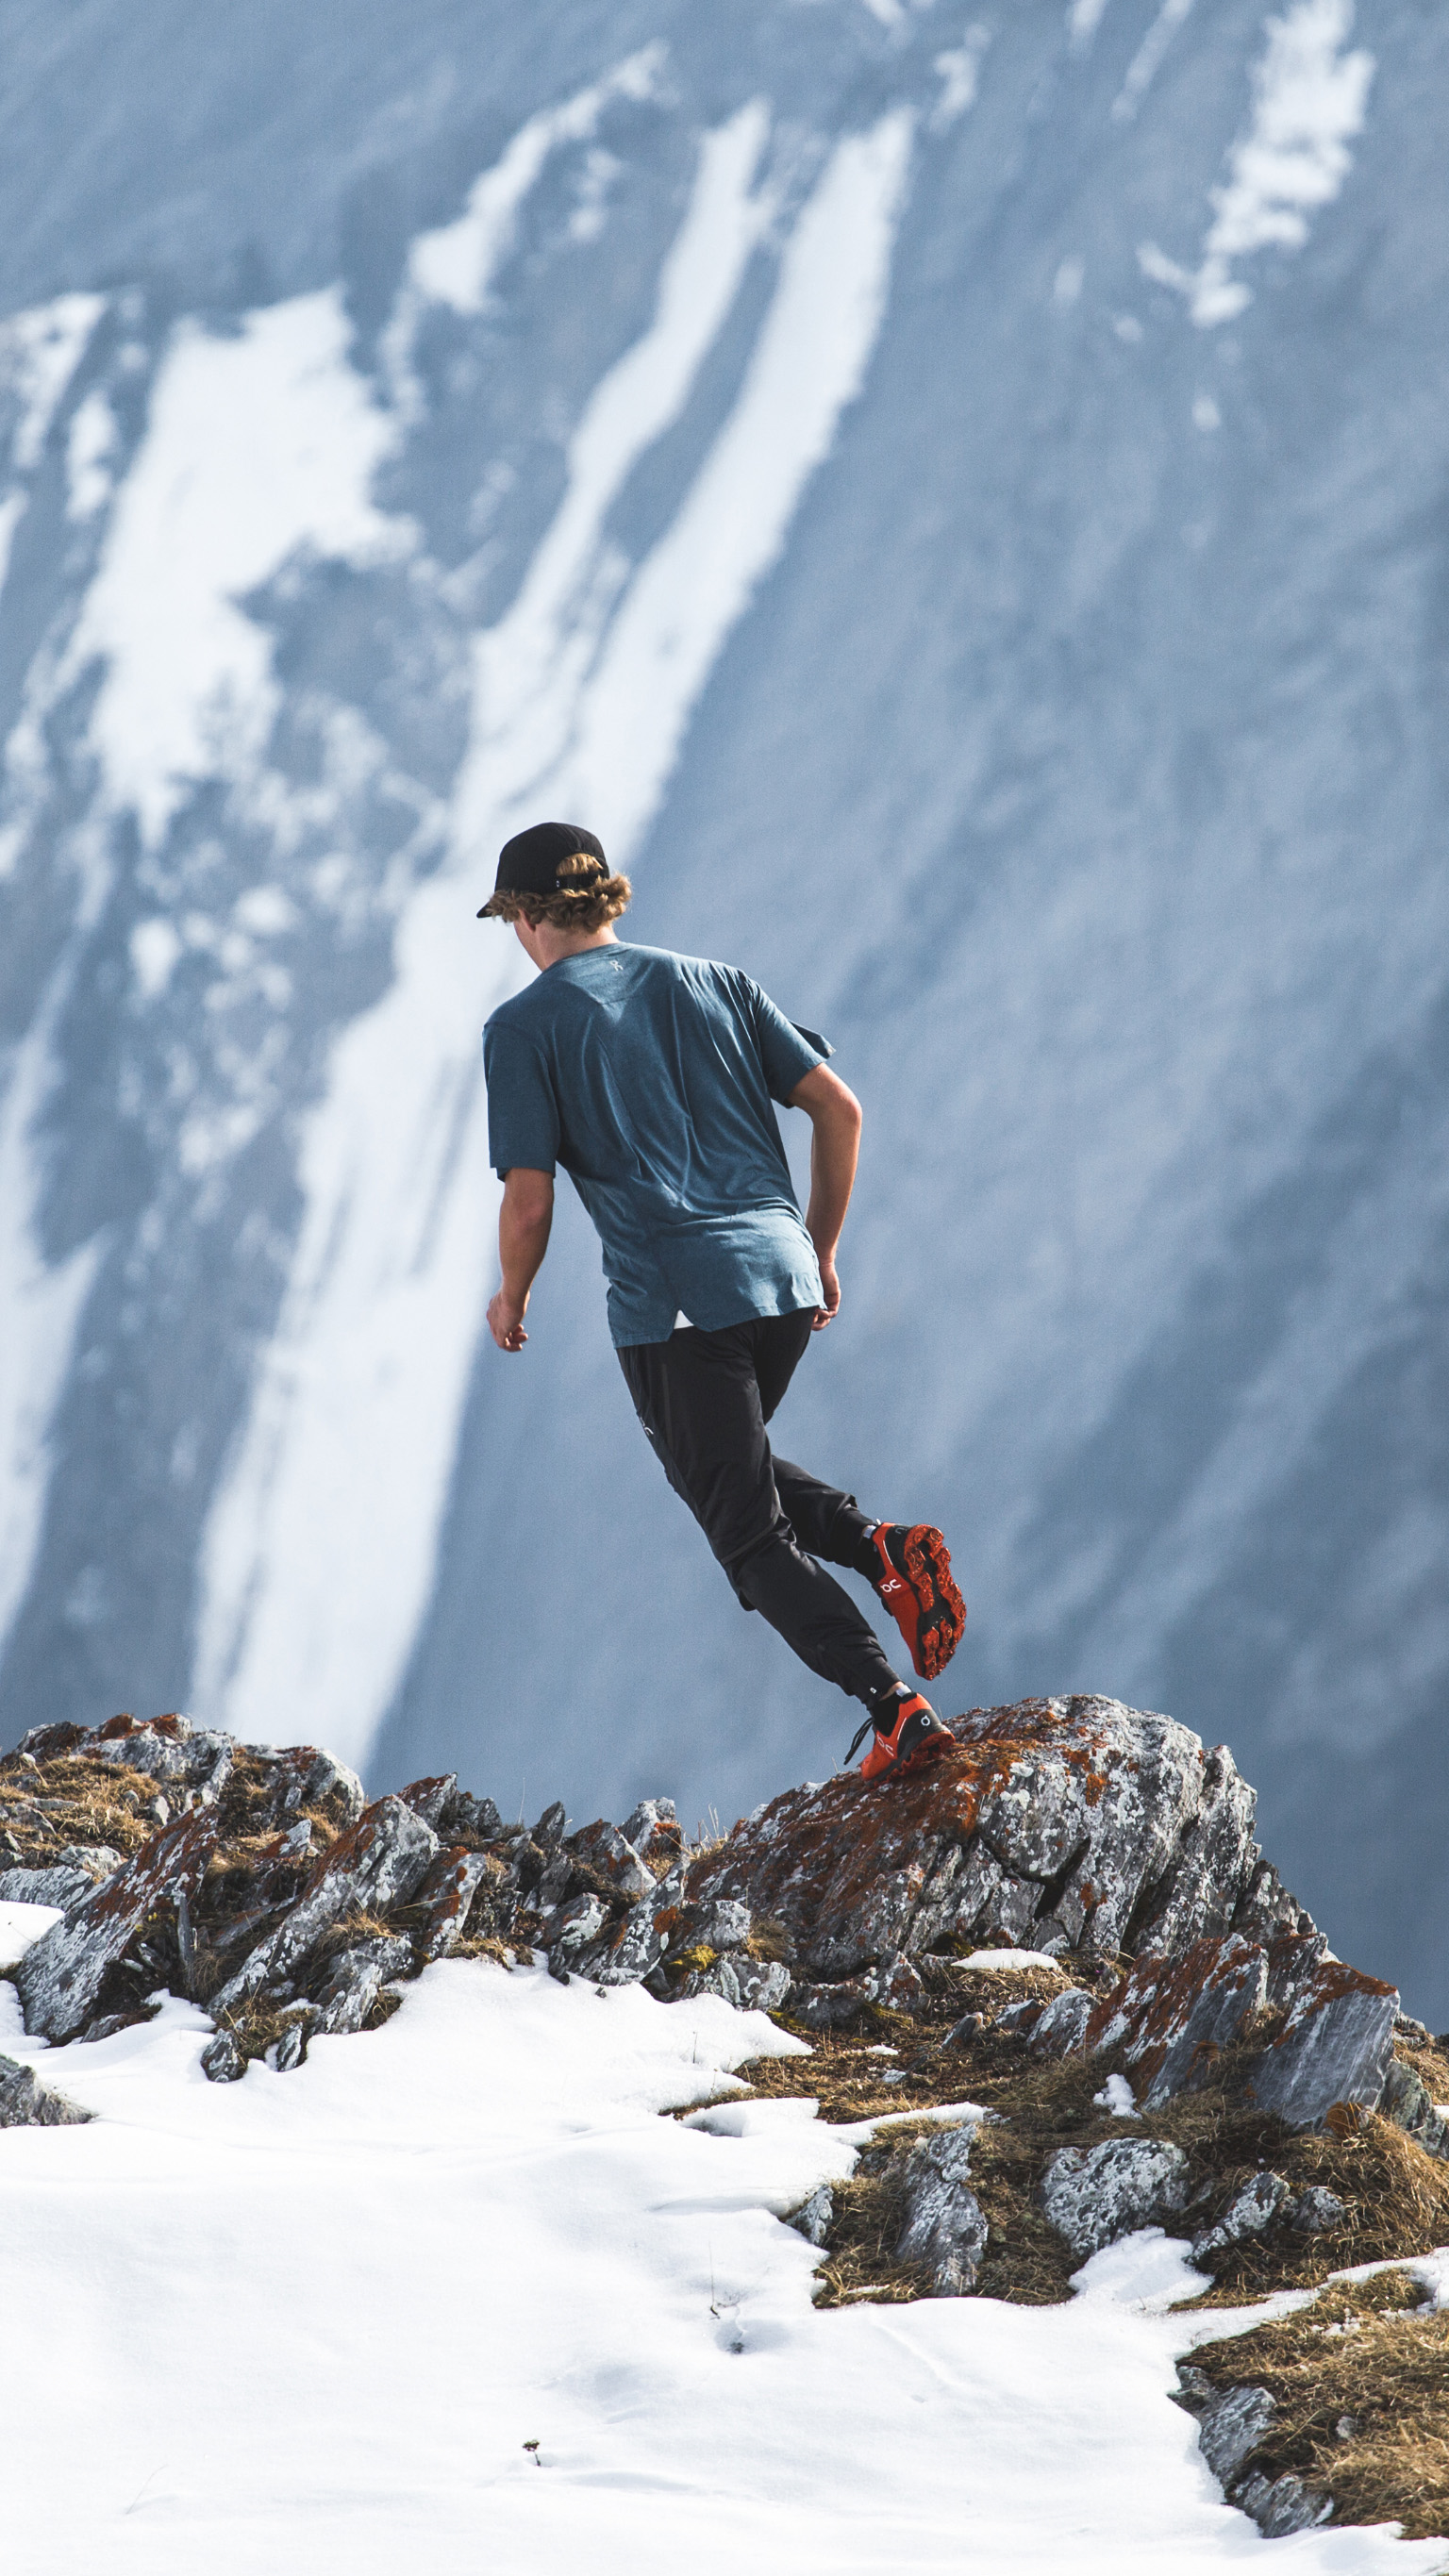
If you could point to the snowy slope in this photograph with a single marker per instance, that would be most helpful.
(956, 501)
(458, 2289)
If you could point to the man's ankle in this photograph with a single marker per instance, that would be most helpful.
(885, 1705)
(866, 1559)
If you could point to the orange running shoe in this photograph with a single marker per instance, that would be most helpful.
(916, 1737)
(919, 1590)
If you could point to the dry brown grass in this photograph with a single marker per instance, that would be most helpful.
(45, 1806)
(1361, 2382)
(1396, 2197)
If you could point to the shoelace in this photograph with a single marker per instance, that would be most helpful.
(858, 1738)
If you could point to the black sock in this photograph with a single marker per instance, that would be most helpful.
(885, 1706)
(866, 1559)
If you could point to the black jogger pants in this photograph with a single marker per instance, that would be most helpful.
(704, 1400)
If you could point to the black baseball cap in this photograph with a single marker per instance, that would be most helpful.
(529, 863)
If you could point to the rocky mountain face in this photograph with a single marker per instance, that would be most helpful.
(956, 500)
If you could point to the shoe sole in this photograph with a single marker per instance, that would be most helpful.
(938, 1598)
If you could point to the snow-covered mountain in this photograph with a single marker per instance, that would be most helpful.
(957, 502)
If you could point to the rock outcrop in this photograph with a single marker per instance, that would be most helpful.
(260, 1883)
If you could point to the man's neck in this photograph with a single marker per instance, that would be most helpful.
(546, 945)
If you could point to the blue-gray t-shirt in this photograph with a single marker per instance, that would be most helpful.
(650, 1078)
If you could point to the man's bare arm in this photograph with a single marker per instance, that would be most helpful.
(525, 1221)
(834, 1113)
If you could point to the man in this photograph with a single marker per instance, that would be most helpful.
(650, 1077)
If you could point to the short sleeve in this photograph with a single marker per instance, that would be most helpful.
(523, 1126)
(785, 1051)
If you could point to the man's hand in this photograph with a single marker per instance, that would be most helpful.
(524, 1223)
(827, 1313)
(834, 1113)
(505, 1322)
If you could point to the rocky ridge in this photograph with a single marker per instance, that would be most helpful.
(1081, 1877)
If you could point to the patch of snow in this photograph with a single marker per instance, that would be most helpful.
(959, 72)
(39, 353)
(1118, 2097)
(858, 2133)
(257, 444)
(12, 511)
(266, 911)
(156, 945)
(41, 1303)
(1143, 69)
(1002, 1962)
(89, 448)
(1083, 19)
(1309, 100)
(582, 695)
(807, 368)
(457, 2286)
(455, 264)
(21, 1926)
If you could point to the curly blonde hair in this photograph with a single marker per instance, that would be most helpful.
(590, 904)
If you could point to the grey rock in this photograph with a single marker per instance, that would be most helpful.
(330, 1783)
(727, 1924)
(28, 2103)
(1093, 2195)
(831, 2007)
(1107, 1827)
(1285, 2505)
(1250, 2213)
(1414, 2034)
(106, 2025)
(993, 1901)
(54, 1885)
(1062, 2029)
(635, 1946)
(764, 1984)
(605, 1849)
(1231, 2428)
(573, 1928)
(450, 1892)
(475, 1819)
(654, 1831)
(1406, 2100)
(291, 2048)
(61, 1976)
(1265, 1910)
(431, 1799)
(354, 1981)
(944, 2224)
(1172, 2017)
(1316, 2211)
(380, 1861)
(171, 1751)
(1337, 2046)
(549, 1830)
(222, 2061)
(751, 1985)
(970, 2027)
(1021, 2018)
(812, 2220)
